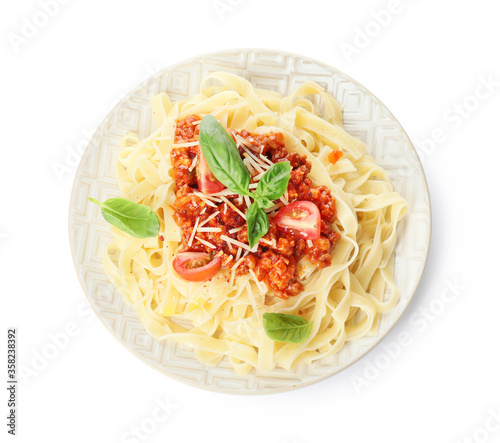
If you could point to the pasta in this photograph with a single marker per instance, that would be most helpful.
(222, 317)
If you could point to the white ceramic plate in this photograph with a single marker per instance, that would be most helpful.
(364, 116)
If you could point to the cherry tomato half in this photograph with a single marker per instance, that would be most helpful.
(196, 266)
(206, 179)
(302, 219)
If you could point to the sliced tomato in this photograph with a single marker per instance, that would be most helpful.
(302, 219)
(206, 179)
(196, 266)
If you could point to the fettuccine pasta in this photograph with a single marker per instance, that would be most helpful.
(222, 317)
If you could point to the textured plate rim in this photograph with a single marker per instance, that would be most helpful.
(275, 390)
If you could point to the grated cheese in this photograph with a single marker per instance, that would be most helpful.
(193, 164)
(226, 260)
(237, 243)
(234, 208)
(240, 260)
(233, 275)
(234, 267)
(209, 218)
(225, 192)
(251, 159)
(259, 176)
(238, 254)
(253, 186)
(205, 200)
(232, 231)
(257, 159)
(247, 200)
(191, 237)
(273, 208)
(257, 282)
(263, 157)
(206, 243)
(266, 241)
(209, 197)
(240, 141)
(184, 145)
(309, 243)
(248, 165)
(209, 230)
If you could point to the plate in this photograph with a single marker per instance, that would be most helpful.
(365, 117)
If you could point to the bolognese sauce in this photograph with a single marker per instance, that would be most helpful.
(216, 224)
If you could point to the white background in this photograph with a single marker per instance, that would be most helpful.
(58, 80)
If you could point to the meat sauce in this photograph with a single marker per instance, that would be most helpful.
(277, 254)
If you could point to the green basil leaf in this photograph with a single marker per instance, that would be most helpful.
(263, 202)
(286, 328)
(274, 182)
(134, 219)
(222, 156)
(257, 224)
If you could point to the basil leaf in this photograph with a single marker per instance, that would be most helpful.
(222, 156)
(286, 328)
(263, 202)
(274, 182)
(257, 224)
(134, 219)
